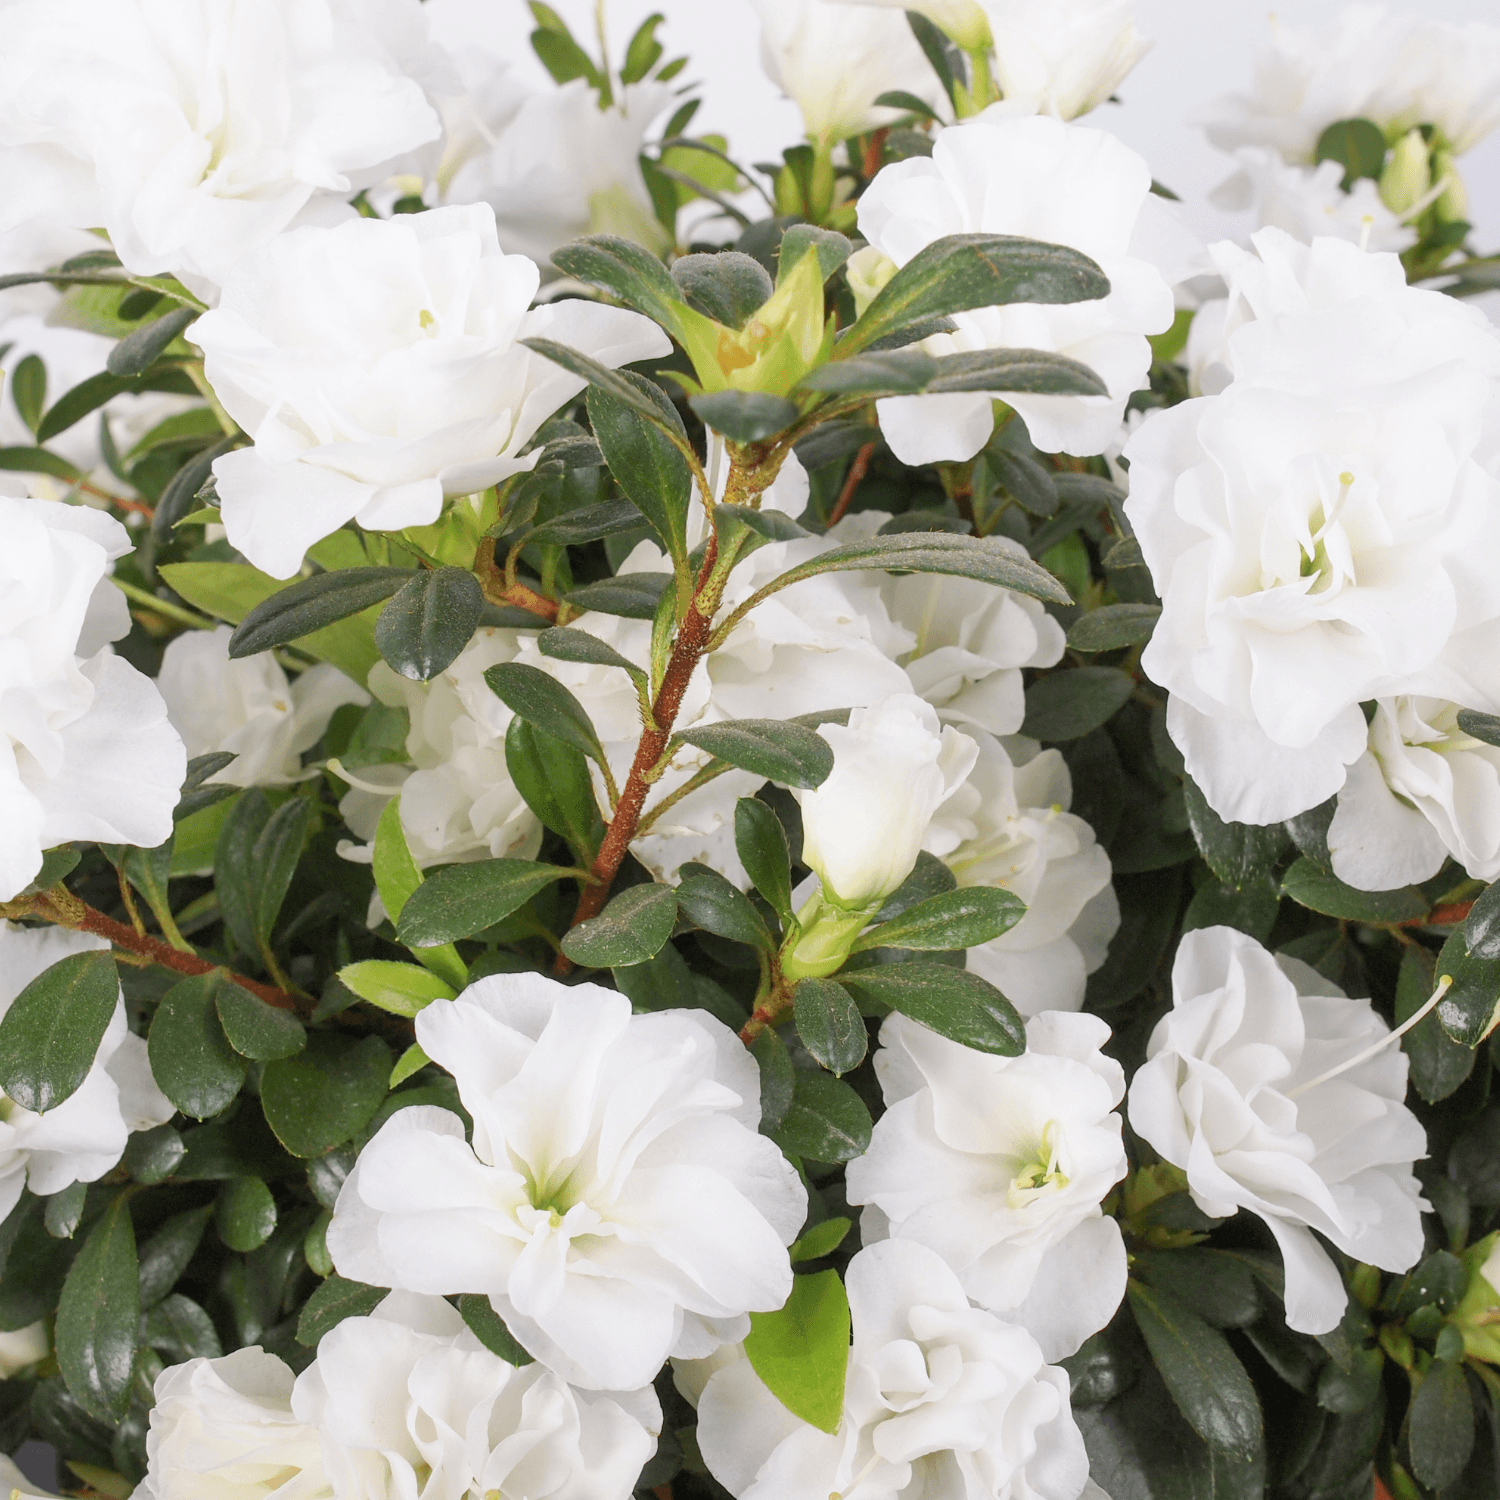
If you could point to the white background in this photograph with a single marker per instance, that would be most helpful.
(1202, 48)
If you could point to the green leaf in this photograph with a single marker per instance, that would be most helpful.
(566, 643)
(318, 1099)
(831, 248)
(273, 862)
(28, 386)
(644, 50)
(955, 919)
(165, 1256)
(822, 1239)
(1240, 854)
(826, 1120)
(1221, 1289)
(652, 405)
(1320, 891)
(459, 900)
(178, 1329)
(1440, 1425)
(151, 1156)
(396, 877)
(830, 1025)
(50, 1035)
(1439, 1064)
(1068, 705)
(1114, 626)
(964, 271)
(429, 621)
(99, 1316)
(760, 842)
(802, 1352)
(1251, 909)
(139, 350)
(57, 865)
(645, 462)
(1482, 926)
(331, 1302)
(311, 604)
(1206, 1380)
(489, 1328)
(38, 461)
(553, 779)
(634, 926)
(627, 272)
(634, 596)
(191, 1059)
(984, 558)
(1358, 146)
(245, 1215)
(64, 1210)
(744, 416)
(952, 1002)
(726, 287)
(255, 1029)
(541, 699)
(563, 58)
(913, 371)
(576, 528)
(88, 395)
(402, 989)
(767, 525)
(708, 900)
(777, 1080)
(1484, 727)
(1469, 1010)
(783, 752)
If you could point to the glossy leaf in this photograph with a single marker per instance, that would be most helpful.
(826, 1120)
(541, 699)
(257, 1030)
(633, 927)
(165, 1256)
(760, 842)
(489, 1328)
(245, 1215)
(333, 1301)
(319, 1098)
(961, 918)
(429, 620)
(1320, 891)
(99, 1315)
(554, 781)
(1240, 854)
(191, 1059)
(310, 604)
(635, 596)
(708, 900)
(645, 462)
(744, 416)
(402, 989)
(787, 753)
(457, 901)
(952, 1002)
(830, 1025)
(51, 1033)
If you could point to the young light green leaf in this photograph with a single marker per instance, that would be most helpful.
(319, 1098)
(396, 877)
(961, 918)
(309, 604)
(760, 842)
(430, 619)
(50, 1035)
(191, 1059)
(830, 1025)
(402, 989)
(826, 1121)
(777, 749)
(413, 1060)
(822, 1239)
(99, 1314)
(245, 1214)
(257, 1030)
(459, 900)
(634, 926)
(952, 1002)
(541, 699)
(802, 1352)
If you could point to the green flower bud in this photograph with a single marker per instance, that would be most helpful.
(1407, 175)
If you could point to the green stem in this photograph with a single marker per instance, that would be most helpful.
(164, 607)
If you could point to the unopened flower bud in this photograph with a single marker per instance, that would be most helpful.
(1453, 206)
(1477, 1316)
(1407, 175)
(868, 271)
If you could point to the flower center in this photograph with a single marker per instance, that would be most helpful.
(1039, 1177)
(1316, 563)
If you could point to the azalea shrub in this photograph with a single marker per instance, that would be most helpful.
(814, 830)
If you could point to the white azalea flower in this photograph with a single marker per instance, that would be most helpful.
(1422, 791)
(197, 131)
(965, 21)
(24, 1347)
(409, 1402)
(1042, 179)
(943, 1401)
(834, 63)
(894, 766)
(1064, 57)
(247, 706)
(377, 416)
(1231, 1093)
(999, 1164)
(1014, 830)
(1314, 529)
(617, 1205)
(86, 751)
(80, 1139)
(458, 803)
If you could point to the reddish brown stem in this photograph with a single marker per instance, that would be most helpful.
(857, 471)
(1442, 916)
(497, 591)
(874, 148)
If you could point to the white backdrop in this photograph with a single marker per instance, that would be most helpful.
(1203, 48)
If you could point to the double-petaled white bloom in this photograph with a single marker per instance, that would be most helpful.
(86, 751)
(999, 1164)
(943, 1401)
(617, 1204)
(195, 131)
(1230, 1093)
(408, 1402)
(247, 706)
(1045, 180)
(1014, 830)
(1422, 791)
(835, 62)
(377, 365)
(1316, 529)
(1398, 69)
(80, 1139)
(894, 766)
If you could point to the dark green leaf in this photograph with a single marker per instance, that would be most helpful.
(152, 1156)
(1358, 146)
(1240, 854)
(929, 877)
(273, 862)
(245, 1215)
(318, 1099)
(1029, 483)
(575, 528)
(541, 699)
(661, 983)
(567, 643)
(99, 1316)
(139, 349)
(618, 384)
(632, 595)
(783, 752)
(459, 900)
(1482, 927)
(776, 1079)
(744, 416)
(57, 865)
(333, 1301)
(28, 386)
(802, 1352)
(954, 919)
(311, 603)
(1114, 626)
(634, 926)
(900, 99)
(770, 525)
(1440, 1425)
(1206, 1380)
(952, 1002)
(1251, 909)
(429, 621)
(197, 791)
(165, 1256)
(1484, 727)
(234, 867)
(184, 488)
(64, 1210)
(489, 1328)
(830, 1025)
(709, 901)
(912, 371)
(644, 460)
(255, 1029)
(191, 1059)
(1468, 1011)
(760, 842)
(178, 1329)
(627, 272)
(726, 287)
(964, 271)
(1319, 891)
(50, 1035)
(1221, 1289)
(554, 780)
(38, 461)
(826, 1121)
(1438, 1063)
(831, 248)
(1068, 705)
